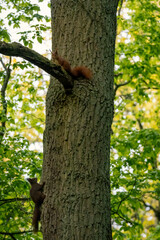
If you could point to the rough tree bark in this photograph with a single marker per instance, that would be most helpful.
(78, 125)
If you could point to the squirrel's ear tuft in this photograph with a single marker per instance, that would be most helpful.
(55, 54)
(32, 180)
(29, 180)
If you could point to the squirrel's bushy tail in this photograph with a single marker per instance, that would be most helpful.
(36, 217)
(81, 71)
(76, 72)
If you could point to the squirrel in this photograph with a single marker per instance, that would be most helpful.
(37, 196)
(76, 72)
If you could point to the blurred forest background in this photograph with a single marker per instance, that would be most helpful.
(135, 144)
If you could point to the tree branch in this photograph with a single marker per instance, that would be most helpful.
(120, 7)
(120, 85)
(18, 50)
(139, 123)
(3, 96)
(4, 201)
(14, 233)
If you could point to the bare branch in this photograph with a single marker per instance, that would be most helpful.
(3, 95)
(4, 201)
(148, 205)
(3, 64)
(125, 219)
(14, 233)
(119, 11)
(18, 50)
(120, 85)
(139, 123)
(118, 74)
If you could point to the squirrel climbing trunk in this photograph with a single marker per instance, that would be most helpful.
(37, 196)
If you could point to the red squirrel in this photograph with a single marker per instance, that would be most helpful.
(37, 196)
(76, 72)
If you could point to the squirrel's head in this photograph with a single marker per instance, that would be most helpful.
(32, 180)
(55, 54)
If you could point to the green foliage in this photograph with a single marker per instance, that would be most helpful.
(15, 13)
(16, 163)
(135, 178)
(138, 51)
(135, 145)
(4, 35)
(25, 117)
(24, 121)
(26, 90)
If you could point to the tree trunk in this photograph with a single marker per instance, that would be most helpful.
(78, 125)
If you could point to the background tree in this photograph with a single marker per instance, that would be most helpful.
(136, 138)
(77, 135)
